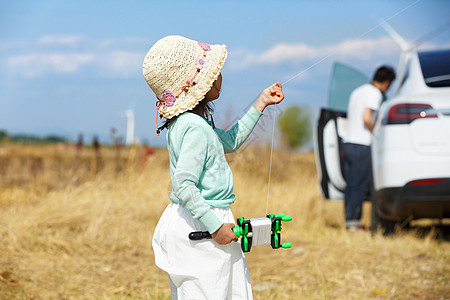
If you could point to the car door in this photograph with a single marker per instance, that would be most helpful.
(331, 128)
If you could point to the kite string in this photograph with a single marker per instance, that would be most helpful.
(271, 156)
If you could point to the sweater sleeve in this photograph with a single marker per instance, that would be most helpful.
(236, 136)
(185, 180)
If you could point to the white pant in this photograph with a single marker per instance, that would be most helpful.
(199, 269)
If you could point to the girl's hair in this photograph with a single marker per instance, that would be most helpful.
(208, 108)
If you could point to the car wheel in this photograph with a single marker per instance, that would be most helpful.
(387, 226)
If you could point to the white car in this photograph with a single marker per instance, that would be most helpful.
(410, 145)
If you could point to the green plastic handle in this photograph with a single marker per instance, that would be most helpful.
(238, 231)
(286, 218)
(286, 245)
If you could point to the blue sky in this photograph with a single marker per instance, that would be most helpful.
(75, 66)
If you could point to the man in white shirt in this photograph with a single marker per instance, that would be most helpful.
(364, 102)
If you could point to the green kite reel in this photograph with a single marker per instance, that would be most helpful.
(255, 232)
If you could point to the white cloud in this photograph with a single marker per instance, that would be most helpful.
(69, 54)
(37, 64)
(286, 52)
(120, 63)
(123, 43)
(112, 64)
(66, 40)
(361, 49)
(431, 46)
(365, 49)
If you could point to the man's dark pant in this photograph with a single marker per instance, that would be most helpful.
(357, 172)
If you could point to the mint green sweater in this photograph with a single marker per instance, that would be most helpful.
(201, 177)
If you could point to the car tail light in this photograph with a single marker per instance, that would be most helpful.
(427, 181)
(405, 113)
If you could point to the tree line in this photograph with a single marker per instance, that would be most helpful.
(31, 139)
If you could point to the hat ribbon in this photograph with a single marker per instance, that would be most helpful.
(160, 104)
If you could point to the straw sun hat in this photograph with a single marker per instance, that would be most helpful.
(181, 71)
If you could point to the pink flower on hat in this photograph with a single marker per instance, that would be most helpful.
(204, 46)
(201, 62)
(168, 98)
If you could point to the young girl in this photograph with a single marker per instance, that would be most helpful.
(185, 76)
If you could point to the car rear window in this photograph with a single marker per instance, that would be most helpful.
(436, 67)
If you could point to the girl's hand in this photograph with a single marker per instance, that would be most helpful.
(271, 95)
(224, 235)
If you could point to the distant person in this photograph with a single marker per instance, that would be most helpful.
(96, 144)
(185, 76)
(145, 153)
(80, 142)
(364, 102)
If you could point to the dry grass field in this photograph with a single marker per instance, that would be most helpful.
(78, 225)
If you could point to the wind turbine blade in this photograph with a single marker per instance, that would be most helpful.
(432, 34)
(403, 44)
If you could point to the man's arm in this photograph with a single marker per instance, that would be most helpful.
(368, 118)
